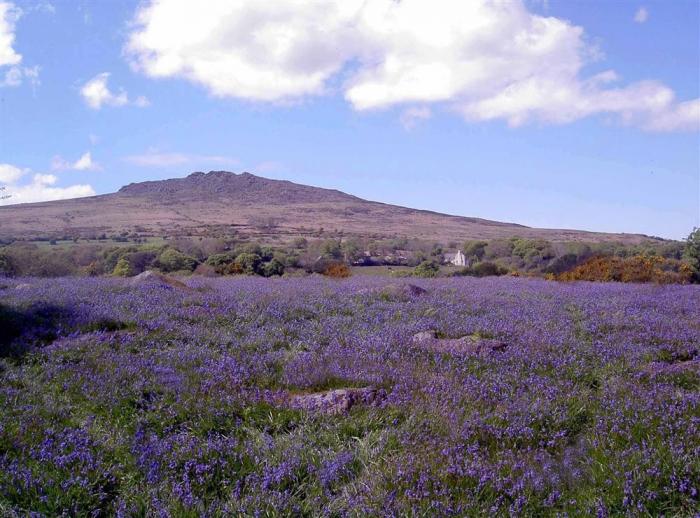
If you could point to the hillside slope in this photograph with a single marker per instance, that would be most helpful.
(221, 201)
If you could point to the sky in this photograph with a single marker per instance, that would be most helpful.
(559, 114)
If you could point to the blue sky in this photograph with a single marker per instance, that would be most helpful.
(551, 114)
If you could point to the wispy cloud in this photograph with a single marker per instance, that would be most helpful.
(412, 116)
(17, 73)
(84, 163)
(642, 15)
(155, 158)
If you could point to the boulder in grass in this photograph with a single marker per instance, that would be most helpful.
(402, 291)
(471, 344)
(23, 286)
(425, 336)
(338, 401)
(151, 278)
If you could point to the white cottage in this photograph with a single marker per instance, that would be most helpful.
(457, 259)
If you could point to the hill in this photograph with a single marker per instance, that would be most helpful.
(221, 202)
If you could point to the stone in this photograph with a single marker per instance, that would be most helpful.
(424, 336)
(151, 278)
(338, 401)
(472, 345)
(23, 286)
(402, 291)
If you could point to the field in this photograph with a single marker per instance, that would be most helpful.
(160, 401)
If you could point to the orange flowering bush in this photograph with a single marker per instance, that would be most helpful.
(638, 268)
(337, 271)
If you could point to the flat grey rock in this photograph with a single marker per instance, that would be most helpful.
(471, 345)
(151, 278)
(338, 401)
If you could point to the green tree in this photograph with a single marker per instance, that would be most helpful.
(171, 260)
(474, 248)
(249, 263)
(271, 268)
(331, 248)
(691, 254)
(426, 269)
(123, 268)
(351, 250)
(220, 261)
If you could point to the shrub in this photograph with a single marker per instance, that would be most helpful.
(112, 255)
(299, 243)
(475, 249)
(499, 248)
(562, 264)
(220, 262)
(248, 263)
(271, 268)
(691, 253)
(171, 260)
(337, 271)
(483, 269)
(6, 267)
(331, 249)
(233, 269)
(426, 269)
(123, 268)
(632, 269)
(33, 261)
(142, 260)
(93, 269)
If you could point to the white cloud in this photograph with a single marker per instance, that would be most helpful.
(684, 116)
(10, 173)
(412, 116)
(41, 187)
(15, 76)
(9, 14)
(96, 94)
(155, 158)
(642, 15)
(84, 163)
(44, 7)
(270, 167)
(142, 102)
(485, 60)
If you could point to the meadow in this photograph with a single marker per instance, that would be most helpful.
(161, 401)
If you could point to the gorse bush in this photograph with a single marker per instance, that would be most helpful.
(631, 269)
(337, 271)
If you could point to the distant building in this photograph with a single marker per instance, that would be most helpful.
(458, 259)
